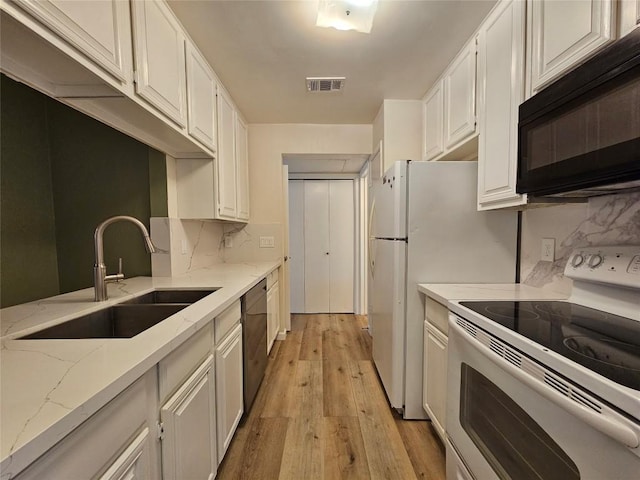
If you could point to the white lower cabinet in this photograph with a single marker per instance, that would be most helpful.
(273, 308)
(229, 388)
(434, 394)
(133, 464)
(189, 436)
(114, 443)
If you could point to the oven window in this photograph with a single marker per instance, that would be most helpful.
(515, 446)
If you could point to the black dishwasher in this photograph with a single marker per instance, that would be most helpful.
(254, 340)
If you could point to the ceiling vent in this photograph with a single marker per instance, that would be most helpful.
(325, 84)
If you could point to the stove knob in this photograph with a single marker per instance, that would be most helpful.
(595, 260)
(577, 260)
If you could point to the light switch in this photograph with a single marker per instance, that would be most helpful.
(267, 242)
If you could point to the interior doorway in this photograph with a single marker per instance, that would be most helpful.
(322, 224)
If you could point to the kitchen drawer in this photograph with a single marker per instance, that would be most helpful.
(101, 441)
(437, 314)
(226, 321)
(183, 361)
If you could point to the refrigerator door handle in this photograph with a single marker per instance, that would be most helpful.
(372, 240)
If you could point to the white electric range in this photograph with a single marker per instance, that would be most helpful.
(550, 389)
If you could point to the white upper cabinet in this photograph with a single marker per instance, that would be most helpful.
(242, 164)
(160, 59)
(629, 16)
(433, 122)
(100, 30)
(460, 97)
(226, 158)
(219, 188)
(501, 90)
(563, 34)
(201, 95)
(449, 110)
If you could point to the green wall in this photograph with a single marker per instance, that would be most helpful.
(28, 258)
(73, 172)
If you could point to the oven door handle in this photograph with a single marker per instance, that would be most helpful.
(613, 427)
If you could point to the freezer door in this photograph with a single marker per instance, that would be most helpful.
(390, 193)
(388, 317)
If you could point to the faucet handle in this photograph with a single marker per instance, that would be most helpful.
(116, 277)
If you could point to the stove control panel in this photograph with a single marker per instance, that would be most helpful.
(615, 265)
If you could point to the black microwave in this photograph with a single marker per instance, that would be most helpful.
(580, 136)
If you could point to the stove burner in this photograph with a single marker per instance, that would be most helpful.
(612, 352)
(605, 343)
(512, 313)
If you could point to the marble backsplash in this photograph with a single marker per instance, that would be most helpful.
(185, 245)
(245, 241)
(607, 220)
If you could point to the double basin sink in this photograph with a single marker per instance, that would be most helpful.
(124, 320)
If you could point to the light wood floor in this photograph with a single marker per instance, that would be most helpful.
(321, 413)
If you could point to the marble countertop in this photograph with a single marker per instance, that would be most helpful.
(445, 293)
(49, 387)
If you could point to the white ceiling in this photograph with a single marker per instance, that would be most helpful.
(263, 50)
(319, 163)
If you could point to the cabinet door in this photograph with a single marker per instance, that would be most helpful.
(226, 161)
(201, 93)
(229, 397)
(132, 464)
(629, 16)
(189, 442)
(242, 160)
(436, 374)
(500, 74)
(273, 314)
(433, 123)
(89, 450)
(564, 33)
(160, 59)
(460, 97)
(425, 339)
(99, 29)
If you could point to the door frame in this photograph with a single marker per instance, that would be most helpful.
(360, 226)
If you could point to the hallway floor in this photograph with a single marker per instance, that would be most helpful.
(321, 413)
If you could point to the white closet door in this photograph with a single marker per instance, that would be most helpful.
(317, 292)
(341, 245)
(296, 244)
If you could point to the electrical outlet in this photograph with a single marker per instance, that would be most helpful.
(183, 246)
(548, 250)
(267, 242)
(228, 241)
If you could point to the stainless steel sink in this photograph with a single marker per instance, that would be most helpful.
(118, 321)
(171, 296)
(124, 320)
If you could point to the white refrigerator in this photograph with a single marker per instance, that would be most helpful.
(425, 228)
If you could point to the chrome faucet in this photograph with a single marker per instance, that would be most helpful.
(100, 277)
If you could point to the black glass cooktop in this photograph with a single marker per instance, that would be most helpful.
(605, 343)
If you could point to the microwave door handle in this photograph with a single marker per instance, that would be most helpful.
(613, 427)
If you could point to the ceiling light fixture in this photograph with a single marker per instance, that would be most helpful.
(347, 14)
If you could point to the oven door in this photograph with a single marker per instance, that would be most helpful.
(504, 426)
